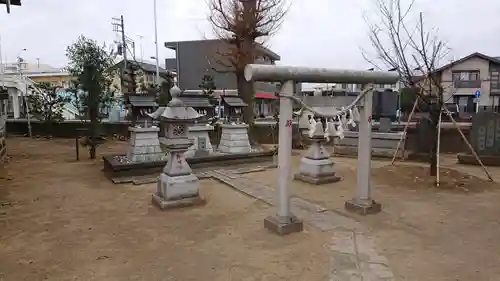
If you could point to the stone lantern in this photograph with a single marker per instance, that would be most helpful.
(177, 185)
(316, 166)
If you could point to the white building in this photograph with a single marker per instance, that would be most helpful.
(20, 79)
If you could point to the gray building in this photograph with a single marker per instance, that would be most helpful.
(194, 59)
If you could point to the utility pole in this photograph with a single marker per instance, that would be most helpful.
(119, 26)
(124, 43)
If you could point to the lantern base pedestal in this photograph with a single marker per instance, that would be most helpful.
(177, 191)
(144, 145)
(316, 167)
(164, 204)
(234, 139)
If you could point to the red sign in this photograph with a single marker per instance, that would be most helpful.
(288, 123)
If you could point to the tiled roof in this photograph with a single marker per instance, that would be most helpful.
(234, 101)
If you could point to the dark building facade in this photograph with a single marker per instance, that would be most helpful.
(197, 58)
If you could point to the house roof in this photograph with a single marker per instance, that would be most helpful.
(260, 47)
(473, 55)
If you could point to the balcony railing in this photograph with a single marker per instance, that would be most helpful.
(469, 84)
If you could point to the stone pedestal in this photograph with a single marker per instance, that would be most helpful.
(177, 185)
(202, 146)
(316, 167)
(283, 226)
(363, 206)
(234, 139)
(144, 145)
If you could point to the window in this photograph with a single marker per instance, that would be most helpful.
(495, 79)
(465, 75)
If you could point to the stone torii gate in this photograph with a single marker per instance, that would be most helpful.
(285, 222)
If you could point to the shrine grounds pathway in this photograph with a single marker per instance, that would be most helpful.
(62, 220)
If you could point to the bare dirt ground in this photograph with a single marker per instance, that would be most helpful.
(62, 220)
(446, 234)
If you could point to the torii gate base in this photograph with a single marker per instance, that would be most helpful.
(363, 206)
(283, 225)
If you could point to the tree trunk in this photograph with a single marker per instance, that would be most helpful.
(435, 110)
(246, 91)
(94, 122)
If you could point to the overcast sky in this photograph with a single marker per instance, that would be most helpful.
(327, 33)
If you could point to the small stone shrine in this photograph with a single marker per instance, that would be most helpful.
(199, 131)
(316, 166)
(144, 144)
(177, 185)
(234, 135)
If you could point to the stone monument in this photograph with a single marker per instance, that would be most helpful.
(316, 166)
(234, 135)
(201, 140)
(177, 185)
(485, 140)
(144, 144)
(385, 125)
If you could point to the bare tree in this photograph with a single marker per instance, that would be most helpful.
(242, 25)
(402, 41)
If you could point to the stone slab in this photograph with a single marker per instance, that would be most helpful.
(329, 220)
(302, 204)
(275, 225)
(163, 204)
(257, 191)
(355, 258)
(469, 159)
